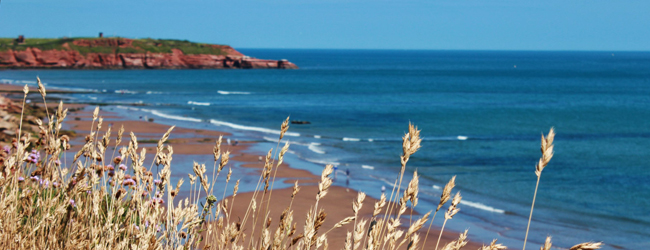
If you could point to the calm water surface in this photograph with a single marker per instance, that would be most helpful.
(481, 115)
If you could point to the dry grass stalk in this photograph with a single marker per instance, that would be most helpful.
(547, 245)
(379, 205)
(494, 246)
(358, 234)
(410, 144)
(87, 204)
(348, 241)
(587, 246)
(456, 244)
(547, 154)
(415, 239)
(444, 197)
(451, 211)
(417, 225)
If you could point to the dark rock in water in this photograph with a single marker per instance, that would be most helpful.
(300, 122)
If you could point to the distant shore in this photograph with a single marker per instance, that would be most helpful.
(125, 53)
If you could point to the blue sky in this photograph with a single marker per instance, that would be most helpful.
(349, 24)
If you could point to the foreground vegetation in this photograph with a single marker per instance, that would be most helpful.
(113, 200)
(138, 46)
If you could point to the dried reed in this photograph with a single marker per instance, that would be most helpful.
(90, 203)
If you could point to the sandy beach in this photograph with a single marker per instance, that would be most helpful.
(192, 142)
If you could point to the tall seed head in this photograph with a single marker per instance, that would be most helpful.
(95, 113)
(411, 193)
(587, 246)
(446, 192)
(547, 245)
(216, 151)
(234, 192)
(119, 135)
(224, 160)
(357, 204)
(494, 246)
(296, 188)
(379, 205)
(453, 208)
(284, 127)
(41, 88)
(547, 152)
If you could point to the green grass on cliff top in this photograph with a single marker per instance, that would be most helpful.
(139, 46)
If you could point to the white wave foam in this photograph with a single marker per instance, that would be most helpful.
(482, 207)
(153, 92)
(436, 187)
(127, 108)
(461, 137)
(367, 167)
(20, 82)
(314, 148)
(269, 139)
(174, 117)
(390, 184)
(198, 103)
(351, 139)
(322, 162)
(371, 140)
(125, 91)
(233, 92)
(317, 136)
(250, 128)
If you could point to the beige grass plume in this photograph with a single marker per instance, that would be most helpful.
(547, 154)
(587, 246)
(457, 244)
(41, 89)
(547, 245)
(216, 151)
(444, 197)
(451, 211)
(446, 192)
(284, 127)
(379, 205)
(358, 203)
(494, 246)
(296, 189)
(325, 182)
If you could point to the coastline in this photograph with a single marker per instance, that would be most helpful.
(189, 143)
(492, 149)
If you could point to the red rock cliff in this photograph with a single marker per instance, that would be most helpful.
(70, 59)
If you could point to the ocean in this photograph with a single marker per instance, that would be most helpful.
(481, 113)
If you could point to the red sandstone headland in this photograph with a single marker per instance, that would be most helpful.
(124, 53)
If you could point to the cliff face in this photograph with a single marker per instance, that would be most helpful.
(67, 58)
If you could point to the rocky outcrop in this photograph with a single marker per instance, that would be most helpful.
(71, 59)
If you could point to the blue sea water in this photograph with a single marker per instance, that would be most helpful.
(481, 114)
